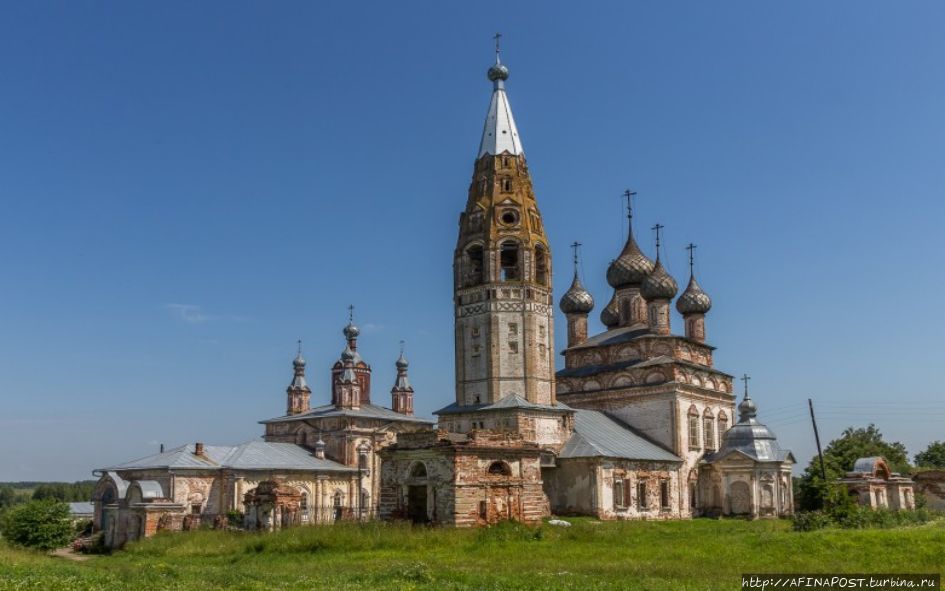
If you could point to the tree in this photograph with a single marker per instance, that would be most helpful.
(839, 457)
(932, 457)
(7, 496)
(43, 525)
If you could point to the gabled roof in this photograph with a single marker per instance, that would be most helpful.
(365, 411)
(251, 455)
(597, 434)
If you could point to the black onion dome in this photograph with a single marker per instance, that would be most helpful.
(630, 268)
(576, 300)
(610, 316)
(693, 300)
(659, 285)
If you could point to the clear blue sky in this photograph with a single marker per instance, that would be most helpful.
(187, 188)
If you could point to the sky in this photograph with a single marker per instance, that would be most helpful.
(186, 189)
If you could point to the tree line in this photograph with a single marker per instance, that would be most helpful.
(15, 493)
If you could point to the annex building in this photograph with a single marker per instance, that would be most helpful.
(638, 424)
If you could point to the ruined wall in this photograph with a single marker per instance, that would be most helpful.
(571, 486)
(932, 485)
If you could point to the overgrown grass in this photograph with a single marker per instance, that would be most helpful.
(699, 554)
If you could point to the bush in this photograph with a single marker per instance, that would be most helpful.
(43, 525)
(811, 520)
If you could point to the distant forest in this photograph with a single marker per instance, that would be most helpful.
(13, 493)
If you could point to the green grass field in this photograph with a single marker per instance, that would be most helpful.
(699, 554)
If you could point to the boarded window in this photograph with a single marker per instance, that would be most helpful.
(664, 495)
(641, 496)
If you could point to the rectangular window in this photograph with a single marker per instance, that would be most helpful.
(513, 348)
(513, 328)
(708, 429)
(641, 496)
(618, 493)
(664, 495)
(693, 432)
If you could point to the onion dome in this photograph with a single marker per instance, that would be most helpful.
(610, 315)
(351, 331)
(576, 300)
(298, 362)
(498, 71)
(747, 409)
(631, 267)
(693, 300)
(401, 362)
(659, 285)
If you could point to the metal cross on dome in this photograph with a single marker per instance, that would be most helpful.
(745, 377)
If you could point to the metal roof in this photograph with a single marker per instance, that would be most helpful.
(597, 434)
(626, 334)
(251, 455)
(150, 489)
(499, 134)
(750, 438)
(83, 508)
(507, 402)
(365, 411)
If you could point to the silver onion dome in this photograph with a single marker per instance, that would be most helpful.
(693, 300)
(351, 331)
(576, 300)
(498, 72)
(401, 362)
(630, 268)
(659, 285)
(747, 409)
(610, 315)
(299, 361)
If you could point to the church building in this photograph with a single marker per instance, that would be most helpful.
(638, 424)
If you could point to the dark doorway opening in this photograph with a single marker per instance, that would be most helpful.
(417, 504)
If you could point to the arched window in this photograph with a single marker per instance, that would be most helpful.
(723, 423)
(474, 264)
(541, 265)
(708, 430)
(693, 428)
(418, 470)
(509, 262)
(499, 469)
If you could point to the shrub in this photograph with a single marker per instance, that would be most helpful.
(811, 520)
(43, 525)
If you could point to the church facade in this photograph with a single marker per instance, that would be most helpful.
(638, 424)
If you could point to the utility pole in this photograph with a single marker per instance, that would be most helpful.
(820, 453)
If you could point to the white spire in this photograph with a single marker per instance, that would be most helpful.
(499, 134)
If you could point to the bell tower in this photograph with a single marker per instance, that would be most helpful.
(502, 271)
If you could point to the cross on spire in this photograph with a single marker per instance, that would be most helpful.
(300, 347)
(497, 36)
(350, 312)
(401, 347)
(657, 229)
(745, 377)
(575, 246)
(630, 195)
(692, 252)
